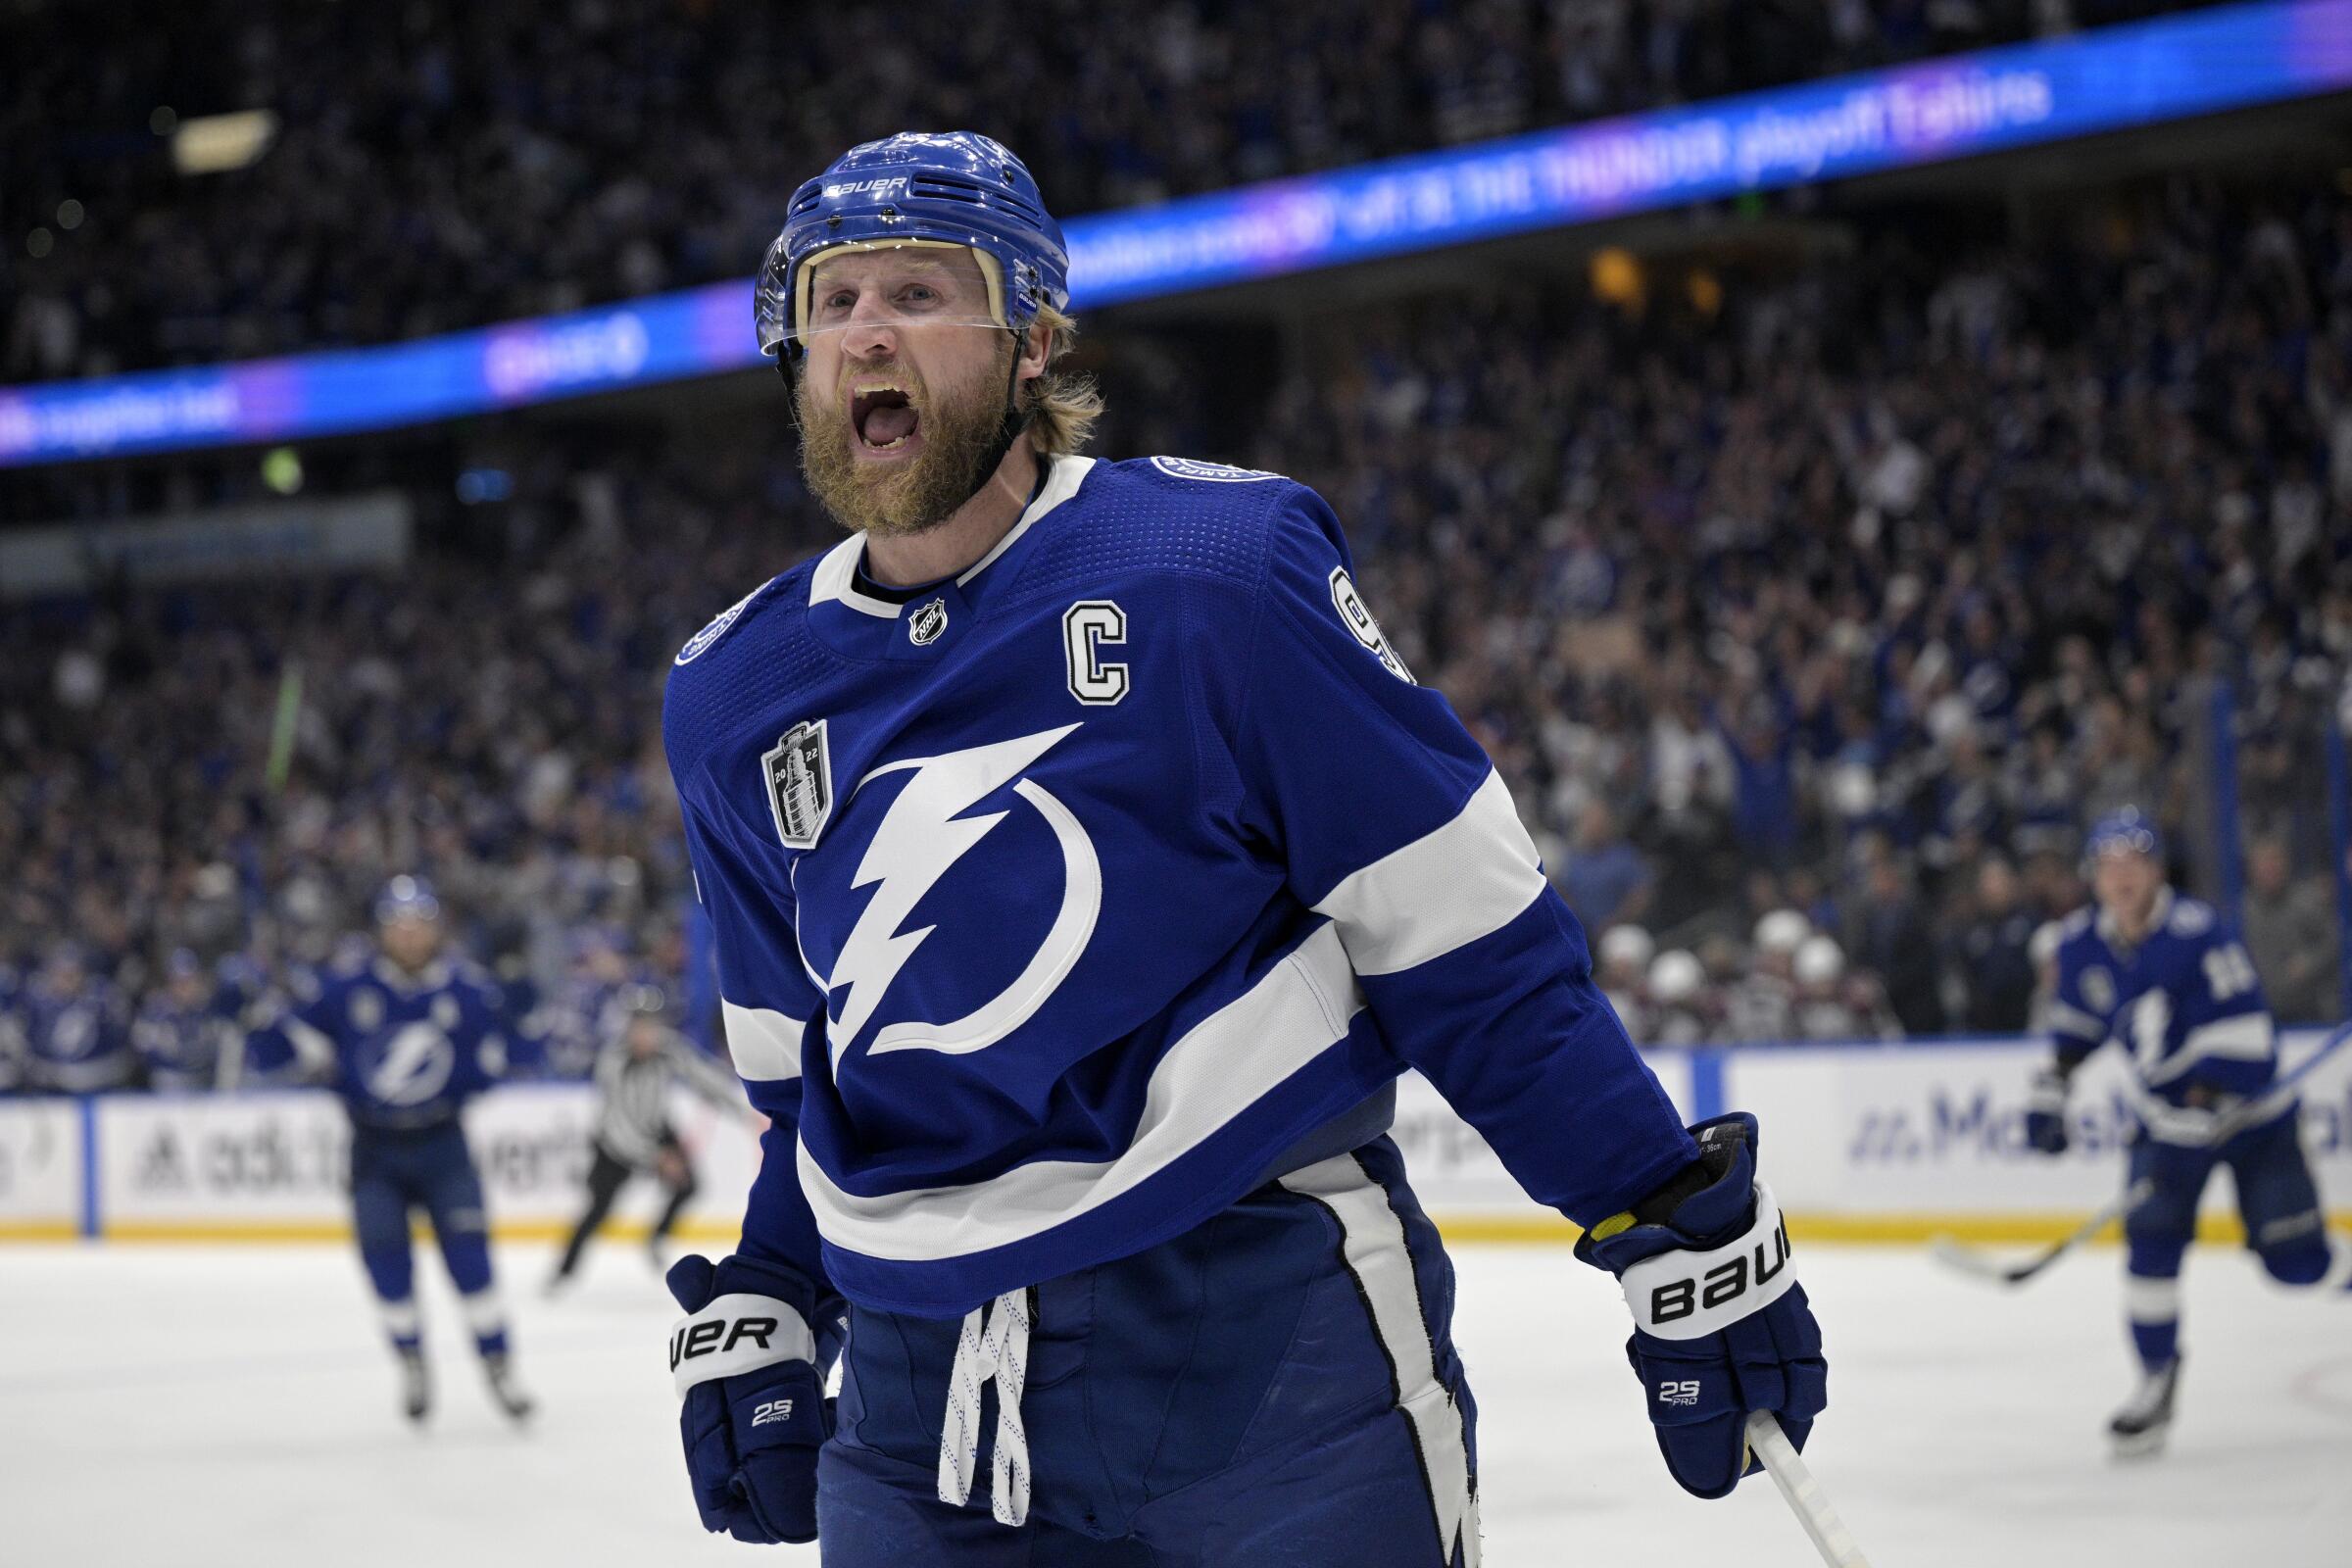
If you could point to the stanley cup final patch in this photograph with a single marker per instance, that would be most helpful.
(799, 784)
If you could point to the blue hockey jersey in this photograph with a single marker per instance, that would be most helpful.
(404, 1050)
(1056, 901)
(185, 1047)
(263, 1007)
(2184, 1005)
(586, 1014)
(77, 1037)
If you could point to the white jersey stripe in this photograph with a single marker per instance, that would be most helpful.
(2073, 1021)
(766, 1045)
(1221, 1066)
(1445, 890)
(2245, 1037)
(1372, 1244)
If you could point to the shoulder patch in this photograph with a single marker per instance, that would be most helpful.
(2076, 924)
(1209, 473)
(700, 643)
(1357, 619)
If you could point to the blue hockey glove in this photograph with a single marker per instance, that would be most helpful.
(2045, 1112)
(754, 1412)
(1721, 1326)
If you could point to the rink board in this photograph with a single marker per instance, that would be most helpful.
(1861, 1143)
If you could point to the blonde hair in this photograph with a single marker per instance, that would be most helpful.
(1062, 405)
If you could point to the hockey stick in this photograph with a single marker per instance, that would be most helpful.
(1967, 1260)
(1804, 1496)
(1954, 1253)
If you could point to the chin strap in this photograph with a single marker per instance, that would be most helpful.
(1016, 417)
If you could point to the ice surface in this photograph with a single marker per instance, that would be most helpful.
(192, 1405)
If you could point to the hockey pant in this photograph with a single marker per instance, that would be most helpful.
(393, 1172)
(1276, 1386)
(606, 1178)
(2276, 1199)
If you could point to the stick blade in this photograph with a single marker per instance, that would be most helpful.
(1962, 1258)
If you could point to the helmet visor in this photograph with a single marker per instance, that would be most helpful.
(781, 307)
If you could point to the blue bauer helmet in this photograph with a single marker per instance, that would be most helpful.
(2124, 832)
(407, 898)
(955, 187)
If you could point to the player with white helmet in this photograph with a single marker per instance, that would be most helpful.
(1623, 973)
(1680, 1011)
(1758, 1005)
(1779, 934)
(1832, 1003)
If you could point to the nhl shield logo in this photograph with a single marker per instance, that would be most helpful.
(929, 621)
(799, 784)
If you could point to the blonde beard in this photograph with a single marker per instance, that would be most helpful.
(960, 427)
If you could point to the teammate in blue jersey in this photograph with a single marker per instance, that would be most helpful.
(186, 1032)
(1085, 865)
(406, 1037)
(2170, 982)
(263, 1004)
(76, 1027)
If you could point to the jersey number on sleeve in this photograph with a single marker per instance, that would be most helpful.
(2228, 972)
(1357, 617)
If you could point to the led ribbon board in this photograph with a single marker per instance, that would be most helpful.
(2202, 63)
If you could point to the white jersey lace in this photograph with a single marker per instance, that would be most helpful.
(993, 1344)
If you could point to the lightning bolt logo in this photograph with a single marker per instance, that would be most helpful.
(412, 1065)
(922, 835)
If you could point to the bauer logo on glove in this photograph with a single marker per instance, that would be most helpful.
(1720, 1327)
(1680, 1296)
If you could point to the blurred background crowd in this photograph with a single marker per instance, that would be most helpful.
(436, 165)
(1810, 595)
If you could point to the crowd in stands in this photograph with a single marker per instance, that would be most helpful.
(1809, 620)
(1857, 597)
(436, 165)
(489, 721)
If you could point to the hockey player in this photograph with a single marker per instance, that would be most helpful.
(185, 1033)
(263, 1004)
(1761, 1005)
(1085, 867)
(2170, 982)
(407, 1036)
(76, 1028)
(633, 1136)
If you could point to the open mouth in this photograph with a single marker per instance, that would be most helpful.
(884, 418)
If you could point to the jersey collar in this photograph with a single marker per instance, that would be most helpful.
(2160, 915)
(867, 627)
(835, 580)
(432, 977)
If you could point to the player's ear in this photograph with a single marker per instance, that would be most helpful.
(1036, 349)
